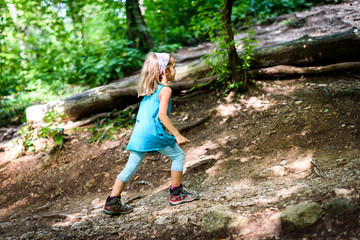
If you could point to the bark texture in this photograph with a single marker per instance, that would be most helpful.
(137, 29)
(234, 59)
(311, 51)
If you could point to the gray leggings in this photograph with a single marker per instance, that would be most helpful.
(176, 154)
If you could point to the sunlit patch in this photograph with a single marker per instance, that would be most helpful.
(287, 192)
(302, 164)
(228, 109)
(199, 153)
(168, 211)
(267, 223)
(256, 103)
(18, 204)
(242, 184)
(244, 159)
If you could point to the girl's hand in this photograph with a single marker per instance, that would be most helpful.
(181, 140)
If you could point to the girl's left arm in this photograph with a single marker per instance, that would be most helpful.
(164, 98)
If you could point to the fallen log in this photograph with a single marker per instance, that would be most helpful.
(306, 51)
(284, 70)
(101, 99)
(311, 51)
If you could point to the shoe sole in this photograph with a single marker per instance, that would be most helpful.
(116, 213)
(184, 201)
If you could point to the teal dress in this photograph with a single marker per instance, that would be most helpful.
(149, 133)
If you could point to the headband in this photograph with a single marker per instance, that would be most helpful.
(163, 59)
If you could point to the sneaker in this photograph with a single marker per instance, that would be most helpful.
(181, 195)
(113, 206)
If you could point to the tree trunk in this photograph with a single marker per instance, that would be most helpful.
(137, 30)
(234, 59)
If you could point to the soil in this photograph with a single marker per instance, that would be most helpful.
(294, 122)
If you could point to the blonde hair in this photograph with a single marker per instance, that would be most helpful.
(150, 78)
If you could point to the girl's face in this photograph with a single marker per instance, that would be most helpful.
(170, 70)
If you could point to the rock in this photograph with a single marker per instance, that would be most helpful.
(234, 151)
(221, 216)
(300, 216)
(341, 192)
(95, 201)
(78, 225)
(44, 144)
(276, 171)
(183, 220)
(161, 220)
(28, 235)
(5, 225)
(216, 218)
(339, 207)
(283, 163)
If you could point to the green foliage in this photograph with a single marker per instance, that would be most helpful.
(101, 63)
(106, 128)
(50, 131)
(218, 59)
(169, 48)
(52, 49)
(168, 21)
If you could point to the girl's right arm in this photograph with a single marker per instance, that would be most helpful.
(164, 98)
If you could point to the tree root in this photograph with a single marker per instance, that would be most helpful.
(196, 123)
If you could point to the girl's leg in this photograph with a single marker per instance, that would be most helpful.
(178, 194)
(177, 155)
(130, 169)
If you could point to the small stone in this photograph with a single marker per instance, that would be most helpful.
(28, 235)
(5, 225)
(95, 201)
(183, 220)
(161, 220)
(276, 171)
(341, 192)
(283, 163)
(234, 151)
(78, 225)
(230, 189)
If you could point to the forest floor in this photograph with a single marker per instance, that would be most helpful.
(288, 123)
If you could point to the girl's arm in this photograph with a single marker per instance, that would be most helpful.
(164, 98)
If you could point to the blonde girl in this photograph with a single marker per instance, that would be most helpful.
(149, 133)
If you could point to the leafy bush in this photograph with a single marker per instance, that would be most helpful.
(111, 60)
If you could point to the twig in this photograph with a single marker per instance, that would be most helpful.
(316, 169)
(100, 115)
(103, 135)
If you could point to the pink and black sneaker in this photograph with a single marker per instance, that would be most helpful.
(181, 195)
(113, 206)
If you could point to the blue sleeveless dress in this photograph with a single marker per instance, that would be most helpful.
(149, 133)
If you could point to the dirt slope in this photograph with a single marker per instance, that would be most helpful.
(289, 123)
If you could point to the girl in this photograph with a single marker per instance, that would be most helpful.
(149, 133)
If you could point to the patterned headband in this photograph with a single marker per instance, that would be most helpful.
(163, 59)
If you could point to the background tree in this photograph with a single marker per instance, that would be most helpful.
(137, 31)
(233, 57)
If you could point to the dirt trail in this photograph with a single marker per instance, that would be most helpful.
(287, 123)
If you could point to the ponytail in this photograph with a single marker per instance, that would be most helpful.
(149, 79)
